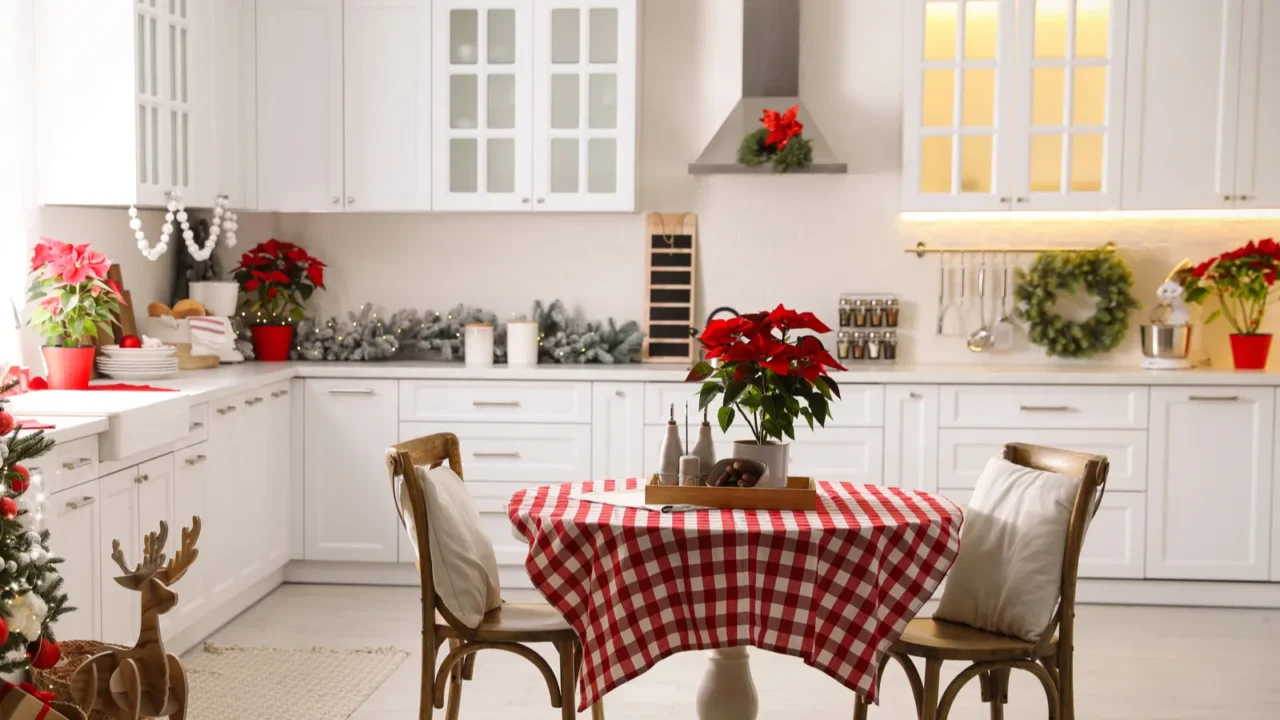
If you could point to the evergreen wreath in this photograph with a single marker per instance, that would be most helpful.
(779, 142)
(1099, 272)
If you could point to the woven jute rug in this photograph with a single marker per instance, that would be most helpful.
(238, 683)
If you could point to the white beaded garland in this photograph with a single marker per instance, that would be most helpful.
(176, 211)
(162, 246)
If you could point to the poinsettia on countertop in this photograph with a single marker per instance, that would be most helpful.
(1244, 281)
(276, 278)
(764, 373)
(75, 298)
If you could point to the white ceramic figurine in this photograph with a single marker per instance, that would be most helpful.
(1175, 308)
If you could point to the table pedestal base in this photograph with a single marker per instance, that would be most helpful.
(727, 692)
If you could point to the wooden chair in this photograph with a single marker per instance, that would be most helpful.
(993, 656)
(506, 628)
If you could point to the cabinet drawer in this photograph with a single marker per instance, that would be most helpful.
(197, 427)
(70, 464)
(860, 405)
(1043, 406)
(962, 454)
(485, 401)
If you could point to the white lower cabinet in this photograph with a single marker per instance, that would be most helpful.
(350, 513)
(222, 508)
(1210, 502)
(1115, 543)
(278, 422)
(190, 485)
(617, 430)
(74, 534)
(911, 437)
(963, 453)
(121, 608)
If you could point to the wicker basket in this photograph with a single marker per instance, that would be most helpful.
(57, 679)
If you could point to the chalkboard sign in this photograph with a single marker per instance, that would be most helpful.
(671, 270)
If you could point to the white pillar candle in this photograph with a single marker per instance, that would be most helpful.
(478, 339)
(522, 343)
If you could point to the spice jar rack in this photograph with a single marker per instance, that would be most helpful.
(868, 327)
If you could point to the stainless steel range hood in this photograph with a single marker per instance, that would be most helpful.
(770, 79)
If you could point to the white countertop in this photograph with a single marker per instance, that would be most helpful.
(67, 429)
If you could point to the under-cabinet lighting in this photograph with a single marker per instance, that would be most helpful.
(1090, 215)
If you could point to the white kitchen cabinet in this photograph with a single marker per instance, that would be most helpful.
(155, 498)
(119, 521)
(1115, 542)
(963, 453)
(617, 430)
(911, 437)
(1258, 140)
(1013, 105)
(350, 513)
(73, 520)
(234, 112)
(191, 481)
(300, 105)
(251, 487)
(1210, 495)
(143, 71)
(387, 99)
(278, 469)
(222, 516)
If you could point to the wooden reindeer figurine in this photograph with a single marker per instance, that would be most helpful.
(144, 681)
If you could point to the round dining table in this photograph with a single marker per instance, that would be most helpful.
(834, 586)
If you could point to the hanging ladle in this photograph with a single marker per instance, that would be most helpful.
(981, 339)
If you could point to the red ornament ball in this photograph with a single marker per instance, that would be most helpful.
(4, 630)
(8, 508)
(7, 423)
(130, 341)
(19, 480)
(44, 654)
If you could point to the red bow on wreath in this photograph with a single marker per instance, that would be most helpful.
(781, 126)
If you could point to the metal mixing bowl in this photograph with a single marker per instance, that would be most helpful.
(1166, 341)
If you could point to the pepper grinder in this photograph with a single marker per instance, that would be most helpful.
(705, 450)
(672, 449)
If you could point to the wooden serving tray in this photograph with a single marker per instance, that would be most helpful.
(799, 494)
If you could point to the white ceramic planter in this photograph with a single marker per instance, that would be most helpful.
(773, 455)
(218, 297)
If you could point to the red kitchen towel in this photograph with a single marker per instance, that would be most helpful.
(39, 383)
(34, 425)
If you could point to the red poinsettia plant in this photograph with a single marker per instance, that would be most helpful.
(75, 298)
(276, 279)
(764, 372)
(1243, 280)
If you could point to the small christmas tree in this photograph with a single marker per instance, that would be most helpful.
(31, 596)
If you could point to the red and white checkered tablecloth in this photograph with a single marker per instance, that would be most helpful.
(835, 587)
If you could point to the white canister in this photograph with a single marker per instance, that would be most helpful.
(522, 343)
(219, 298)
(478, 344)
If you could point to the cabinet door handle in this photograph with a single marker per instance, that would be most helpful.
(1005, 200)
(141, 479)
(1024, 199)
(227, 409)
(620, 393)
(351, 200)
(82, 502)
(541, 200)
(1228, 198)
(336, 200)
(283, 393)
(524, 200)
(914, 395)
(1214, 398)
(513, 455)
(1245, 197)
(351, 391)
(1045, 408)
(252, 401)
(196, 426)
(496, 403)
(77, 464)
(196, 460)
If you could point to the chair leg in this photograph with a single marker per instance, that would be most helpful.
(859, 707)
(455, 685)
(427, 683)
(568, 674)
(469, 666)
(932, 686)
(999, 692)
(1066, 686)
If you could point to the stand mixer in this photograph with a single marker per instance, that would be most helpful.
(1166, 341)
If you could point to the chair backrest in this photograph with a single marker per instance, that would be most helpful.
(403, 460)
(1092, 471)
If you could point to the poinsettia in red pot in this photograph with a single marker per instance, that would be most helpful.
(74, 302)
(764, 374)
(1244, 281)
(276, 279)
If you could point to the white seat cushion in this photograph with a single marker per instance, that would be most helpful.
(1008, 575)
(463, 564)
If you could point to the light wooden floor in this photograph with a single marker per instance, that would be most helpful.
(1133, 664)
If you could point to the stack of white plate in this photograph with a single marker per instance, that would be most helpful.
(138, 363)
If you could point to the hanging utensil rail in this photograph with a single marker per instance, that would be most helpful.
(921, 249)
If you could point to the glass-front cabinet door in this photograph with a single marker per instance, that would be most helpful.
(584, 105)
(483, 104)
(958, 112)
(1070, 98)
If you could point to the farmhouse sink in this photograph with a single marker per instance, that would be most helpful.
(138, 421)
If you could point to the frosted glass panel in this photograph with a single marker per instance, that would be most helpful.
(979, 98)
(142, 144)
(602, 165)
(1051, 28)
(1089, 106)
(462, 165)
(1086, 163)
(173, 147)
(940, 31)
(565, 35)
(186, 164)
(981, 29)
(502, 37)
(463, 101)
(464, 36)
(501, 164)
(1047, 95)
(604, 35)
(564, 102)
(602, 112)
(502, 102)
(939, 98)
(935, 165)
(1093, 21)
(564, 165)
(173, 63)
(184, 65)
(140, 53)
(975, 163)
(1046, 163)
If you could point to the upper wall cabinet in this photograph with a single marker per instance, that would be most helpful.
(124, 94)
(1013, 105)
(1203, 105)
(534, 105)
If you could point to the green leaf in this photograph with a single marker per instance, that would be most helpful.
(700, 371)
(734, 391)
(807, 414)
(708, 393)
(725, 415)
(1213, 316)
(828, 386)
(296, 313)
